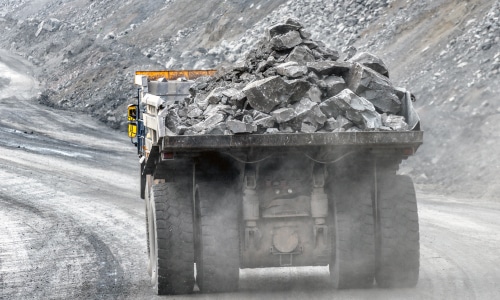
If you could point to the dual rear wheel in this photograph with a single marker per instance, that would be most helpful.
(181, 234)
(217, 236)
(374, 239)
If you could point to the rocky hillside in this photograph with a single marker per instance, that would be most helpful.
(444, 51)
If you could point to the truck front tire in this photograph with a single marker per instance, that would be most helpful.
(398, 243)
(173, 248)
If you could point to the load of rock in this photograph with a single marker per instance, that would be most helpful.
(289, 83)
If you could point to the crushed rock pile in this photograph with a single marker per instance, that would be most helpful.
(289, 83)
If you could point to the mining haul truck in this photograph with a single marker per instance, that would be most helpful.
(216, 204)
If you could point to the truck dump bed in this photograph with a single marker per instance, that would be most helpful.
(366, 139)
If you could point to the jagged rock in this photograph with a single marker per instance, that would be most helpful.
(173, 122)
(270, 72)
(330, 108)
(344, 123)
(230, 110)
(219, 129)
(301, 54)
(272, 130)
(257, 115)
(194, 111)
(294, 22)
(285, 41)
(233, 93)
(265, 65)
(265, 94)
(334, 85)
(285, 128)
(199, 84)
(283, 115)
(235, 97)
(182, 112)
(304, 106)
(213, 109)
(266, 122)
(291, 69)
(309, 110)
(240, 66)
(190, 131)
(314, 94)
(281, 29)
(201, 101)
(350, 52)
(371, 61)
(307, 127)
(374, 87)
(394, 122)
(247, 119)
(338, 68)
(356, 109)
(308, 115)
(215, 95)
(305, 34)
(240, 127)
(297, 89)
(209, 123)
(328, 54)
(310, 44)
(331, 124)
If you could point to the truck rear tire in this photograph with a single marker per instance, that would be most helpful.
(173, 248)
(217, 253)
(147, 213)
(353, 243)
(398, 252)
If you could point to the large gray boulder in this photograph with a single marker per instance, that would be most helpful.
(209, 123)
(334, 85)
(283, 115)
(371, 61)
(356, 109)
(374, 87)
(240, 127)
(267, 93)
(291, 69)
(297, 89)
(285, 41)
(301, 54)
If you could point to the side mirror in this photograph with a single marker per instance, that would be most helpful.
(132, 130)
(132, 112)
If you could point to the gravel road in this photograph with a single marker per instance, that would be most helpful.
(72, 223)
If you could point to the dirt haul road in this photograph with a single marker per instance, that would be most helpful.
(72, 224)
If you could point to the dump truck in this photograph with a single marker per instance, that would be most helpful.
(216, 204)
